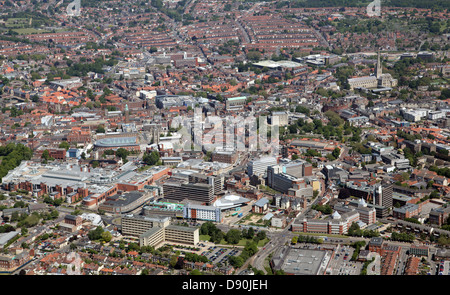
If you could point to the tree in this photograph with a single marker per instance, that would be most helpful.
(45, 155)
(122, 153)
(95, 234)
(64, 145)
(233, 236)
(250, 233)
(405, 176)
(294, 240)
(206, 227)
(173, 261)
(106, 236)
(236, 261)
(217, 236)
(100, 129)
(261, 235)
(254, 55)
(336, 152)
(54, 214)
(195, 272)
(151, 158)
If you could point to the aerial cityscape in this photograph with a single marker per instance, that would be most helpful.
(225, 137)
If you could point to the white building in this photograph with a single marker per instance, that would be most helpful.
(230, 201)
(259, 166)
(200, 212)
(415, 115)
(435, 115)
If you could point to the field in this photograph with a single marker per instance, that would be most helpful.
(27, 31)
(17, 23)
(21, 26)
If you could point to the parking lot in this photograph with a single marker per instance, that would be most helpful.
(218, 254)
(341, 264)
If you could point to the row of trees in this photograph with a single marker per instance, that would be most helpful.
(402, 237)
(99, 234)
(336, 127)
(325, 209)
(233, 236)
(251, 247)
(445, 171)
(356, 231)
(29, 220)
(81, 69)
(306, 239)
(358, 246)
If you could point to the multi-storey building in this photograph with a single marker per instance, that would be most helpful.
(407, 211)
(229, 157)
(135, 225)
(217, 182)
(337, 224)
(192, 211)
(439, 215)
(179, 191)
(259, 166)
(154, 230)
(366, 214)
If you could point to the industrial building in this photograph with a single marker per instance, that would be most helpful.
(295, 261)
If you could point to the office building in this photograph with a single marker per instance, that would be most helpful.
(366, 214)
(259, 166)
(229, 157)
(135, 225)
(181, 190)
(217, 182)
(337, 224)
(155, 230)
(407, 211)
